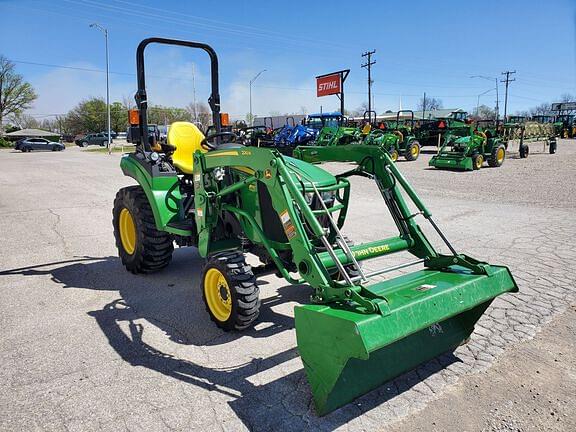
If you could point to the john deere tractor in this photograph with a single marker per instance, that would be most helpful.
(227, 200)
(408, 144)
(470, 152)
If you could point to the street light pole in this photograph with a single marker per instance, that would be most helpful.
(105, 31)
(478, 100)
(496, 87)
(251, 81)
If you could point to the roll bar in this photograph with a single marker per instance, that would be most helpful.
(141, 96)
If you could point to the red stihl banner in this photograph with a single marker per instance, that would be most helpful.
(328, 85)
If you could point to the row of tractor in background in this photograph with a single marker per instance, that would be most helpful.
(462, 144)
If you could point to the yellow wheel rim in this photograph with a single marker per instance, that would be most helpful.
(394, 156)
(500, 155)
(127, 231)
(217, 293)
(479, 161)
(415, 150)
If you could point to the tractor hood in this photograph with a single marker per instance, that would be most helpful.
(306, 172)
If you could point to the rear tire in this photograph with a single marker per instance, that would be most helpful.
(552, 147)
(497, 156)
(230, 292)
(524, 151)
(141, 247)
(412, 151)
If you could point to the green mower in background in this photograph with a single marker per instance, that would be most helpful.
(525, 131)
(469, 152)
(228, 200)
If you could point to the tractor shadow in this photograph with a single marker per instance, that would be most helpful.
(168, 301)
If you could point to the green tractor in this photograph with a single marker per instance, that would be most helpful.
(228, 200)
(394, 141)
(433, 132)
(408, 144)
(565, 125)
(470, 152)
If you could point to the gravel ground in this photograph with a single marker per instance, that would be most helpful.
(87, 346)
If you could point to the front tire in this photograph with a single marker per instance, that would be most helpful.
(477, 161)
(230, 292)
(393, 154)
(141, 247)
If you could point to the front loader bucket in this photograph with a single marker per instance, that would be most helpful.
(347, 353)
(451, 161)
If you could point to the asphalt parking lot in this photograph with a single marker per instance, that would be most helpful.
(87, 346)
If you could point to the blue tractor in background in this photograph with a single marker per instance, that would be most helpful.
(292, 135)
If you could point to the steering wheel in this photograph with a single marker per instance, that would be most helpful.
(207, 145)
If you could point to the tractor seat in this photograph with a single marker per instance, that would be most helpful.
(185, 138)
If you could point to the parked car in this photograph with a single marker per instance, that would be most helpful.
(100, 139)
(121, 135)
(113, 134)
(29, 144)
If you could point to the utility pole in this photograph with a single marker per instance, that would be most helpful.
(194, 94)
(424, 106)
(507, 81)
(105, 32)
(368, 65)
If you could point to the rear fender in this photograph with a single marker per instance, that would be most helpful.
(161, 189)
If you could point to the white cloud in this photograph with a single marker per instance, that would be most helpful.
(61, 89)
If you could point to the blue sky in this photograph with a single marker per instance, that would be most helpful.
(421, 46)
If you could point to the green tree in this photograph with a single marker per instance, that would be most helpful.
(118, 117)
(158, 114)
(16, 95)
(88, 116)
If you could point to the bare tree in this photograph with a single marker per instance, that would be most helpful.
(484, 112)
(541, 109)
(16, 95)
(128, 103)
(24, 121)
(429, 104)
